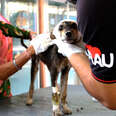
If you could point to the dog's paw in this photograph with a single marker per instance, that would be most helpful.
(29, 102)
(66, 109)
(58, 112)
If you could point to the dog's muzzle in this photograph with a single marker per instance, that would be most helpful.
(68, 34)
(69, 37)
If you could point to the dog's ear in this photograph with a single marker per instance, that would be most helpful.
(52, 36)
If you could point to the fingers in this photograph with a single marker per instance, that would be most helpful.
(33, 34)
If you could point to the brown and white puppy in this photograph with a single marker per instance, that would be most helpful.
(65, 30)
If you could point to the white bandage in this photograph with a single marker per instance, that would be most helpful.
(41, 42)
(55, 104)
(55, 107)
(54, 89)
(67, 49)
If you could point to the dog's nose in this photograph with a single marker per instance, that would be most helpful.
(68, 34)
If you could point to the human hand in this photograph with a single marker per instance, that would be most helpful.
(67, 49)
(41, 42)
(33, 34)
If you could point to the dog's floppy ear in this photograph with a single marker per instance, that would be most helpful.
(52, 36)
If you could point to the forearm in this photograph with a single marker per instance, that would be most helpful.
(9, 68)
(81, 64)
(99, 90)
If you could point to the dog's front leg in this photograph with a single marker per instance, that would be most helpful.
(34, 69)
(63, 93)
(55, 93)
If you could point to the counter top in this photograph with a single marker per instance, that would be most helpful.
(78, 100)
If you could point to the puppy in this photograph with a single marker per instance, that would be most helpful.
(67, 31)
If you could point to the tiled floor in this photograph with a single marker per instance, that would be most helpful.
(78, 99)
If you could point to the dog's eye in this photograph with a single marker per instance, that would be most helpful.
(61, 27)
(74, 26)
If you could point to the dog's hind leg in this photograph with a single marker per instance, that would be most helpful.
(63, 92)
(34, 69)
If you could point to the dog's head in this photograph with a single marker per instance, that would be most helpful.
(67, 31)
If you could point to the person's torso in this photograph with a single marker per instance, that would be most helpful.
(96, 19)
(97, 22)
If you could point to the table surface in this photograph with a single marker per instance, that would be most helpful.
(78, 100)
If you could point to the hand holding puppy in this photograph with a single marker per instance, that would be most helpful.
(67, 49)
(41, 42)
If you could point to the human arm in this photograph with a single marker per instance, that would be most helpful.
(12, 31)
(38, 45)
(103, 92)
(9, 68)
